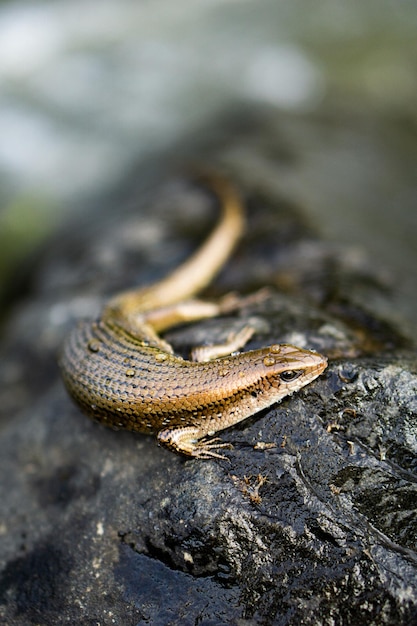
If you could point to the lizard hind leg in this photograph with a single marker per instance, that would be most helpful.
(187, 441)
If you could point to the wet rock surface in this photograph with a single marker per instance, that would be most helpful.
(312, 519)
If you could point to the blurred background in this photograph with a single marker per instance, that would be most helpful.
(89, 89)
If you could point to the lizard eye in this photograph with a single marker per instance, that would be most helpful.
(290, 375)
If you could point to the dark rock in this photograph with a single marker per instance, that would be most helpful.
(311, 520)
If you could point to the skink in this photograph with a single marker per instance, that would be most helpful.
(122, 373)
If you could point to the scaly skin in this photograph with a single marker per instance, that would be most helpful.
(120, 372)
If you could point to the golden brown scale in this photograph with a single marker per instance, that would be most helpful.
(121, 372)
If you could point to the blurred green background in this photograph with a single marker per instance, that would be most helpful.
(87, 89)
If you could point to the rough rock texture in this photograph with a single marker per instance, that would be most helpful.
(313, 518)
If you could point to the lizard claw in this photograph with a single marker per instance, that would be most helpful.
(205, 449)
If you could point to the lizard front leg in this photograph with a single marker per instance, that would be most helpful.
(187, 440)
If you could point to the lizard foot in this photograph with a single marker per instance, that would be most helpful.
(186, 441)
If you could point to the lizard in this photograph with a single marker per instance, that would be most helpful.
(121, 372)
